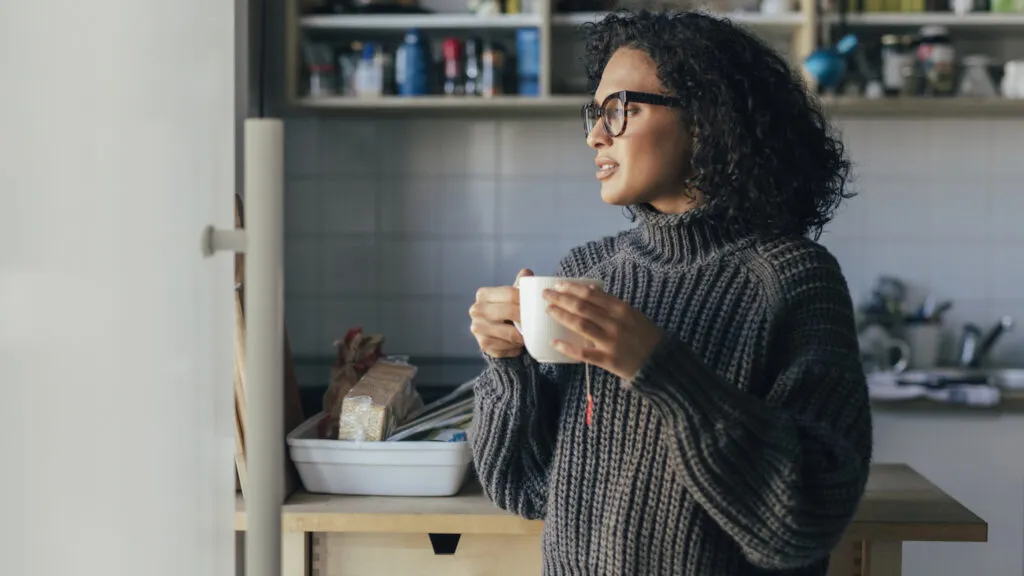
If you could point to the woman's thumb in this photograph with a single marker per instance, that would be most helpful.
(523, 272)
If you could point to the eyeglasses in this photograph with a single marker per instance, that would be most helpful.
(612, 110)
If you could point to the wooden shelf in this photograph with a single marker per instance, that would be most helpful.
(569, 106)
(401, 22)
(916, 19)
(751, 19)
(431, 106)
(924, 107)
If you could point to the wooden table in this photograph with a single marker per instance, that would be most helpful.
(466, 534)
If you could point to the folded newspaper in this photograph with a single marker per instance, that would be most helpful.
(441, 420)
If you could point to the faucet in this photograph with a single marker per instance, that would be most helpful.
(974, 346)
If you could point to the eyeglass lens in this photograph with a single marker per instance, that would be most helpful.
(612, 113)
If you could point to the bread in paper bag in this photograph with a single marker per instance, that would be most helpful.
(357, 352)
(378, 403)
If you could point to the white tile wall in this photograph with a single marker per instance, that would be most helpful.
(393, 224)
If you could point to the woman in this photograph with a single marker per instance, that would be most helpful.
(731, 432)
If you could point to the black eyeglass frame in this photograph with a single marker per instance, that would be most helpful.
(625, 96)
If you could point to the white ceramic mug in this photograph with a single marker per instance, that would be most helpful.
(539, 329)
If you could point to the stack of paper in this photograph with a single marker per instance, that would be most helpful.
(452, 411)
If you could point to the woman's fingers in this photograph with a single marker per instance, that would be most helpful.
(593, 330)
(498, 294)
(504, 332)
(494, 312)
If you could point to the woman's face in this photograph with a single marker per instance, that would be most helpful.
(650, 160)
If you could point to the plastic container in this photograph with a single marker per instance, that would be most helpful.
(377, 468)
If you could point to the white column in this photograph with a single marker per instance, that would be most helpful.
(264, 340)
(116, 149)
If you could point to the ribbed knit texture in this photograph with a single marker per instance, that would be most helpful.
(741, 447)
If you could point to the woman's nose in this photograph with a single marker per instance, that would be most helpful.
(598, 137)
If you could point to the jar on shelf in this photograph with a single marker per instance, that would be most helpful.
(936, 58)
(896, 58)
(322, 79)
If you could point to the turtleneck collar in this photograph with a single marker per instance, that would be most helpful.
(684, 238)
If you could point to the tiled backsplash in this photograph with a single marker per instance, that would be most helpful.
(393, 224)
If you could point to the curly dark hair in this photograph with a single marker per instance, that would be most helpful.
(764, 157)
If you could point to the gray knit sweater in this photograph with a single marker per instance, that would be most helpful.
(741, 447)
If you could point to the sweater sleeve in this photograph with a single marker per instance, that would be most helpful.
(515, 421)
(782, 475)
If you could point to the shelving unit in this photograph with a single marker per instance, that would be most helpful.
(793, 33)
(972, 33)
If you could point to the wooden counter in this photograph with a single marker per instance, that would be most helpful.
(387, 535)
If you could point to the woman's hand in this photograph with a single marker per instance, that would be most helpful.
(491, 316)
(622, 338)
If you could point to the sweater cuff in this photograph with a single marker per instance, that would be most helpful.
(506, 373)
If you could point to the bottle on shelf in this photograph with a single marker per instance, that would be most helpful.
(453, 78)
(897, 56)
(322, 79)
(412, 65)
(528, 61)
(472, 67)
(492, 79)
(369, 72)
(936, 59)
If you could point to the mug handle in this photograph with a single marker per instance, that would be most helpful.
(905, 353)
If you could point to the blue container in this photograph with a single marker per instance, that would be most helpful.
(412, 65)
(528, 58)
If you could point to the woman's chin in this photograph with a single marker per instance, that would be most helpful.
(615, 196)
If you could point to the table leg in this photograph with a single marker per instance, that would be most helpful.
(845, 558)
(882, 559)
(294, 554)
